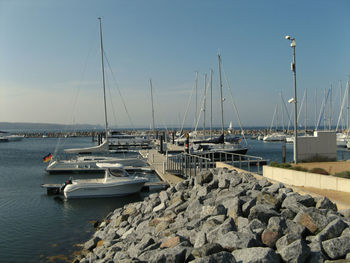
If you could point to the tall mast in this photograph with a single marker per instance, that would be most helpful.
(196, 88)
(103, 80)
(211, 102)
(150, 82)
(204, 103)
(221, 98)
(348, 115)
(305, 111)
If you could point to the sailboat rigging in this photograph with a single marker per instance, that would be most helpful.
(89, 163)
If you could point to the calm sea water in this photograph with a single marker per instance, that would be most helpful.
(35, 227)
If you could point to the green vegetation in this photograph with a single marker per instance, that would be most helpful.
(300, 168)
(345, 174)
(281, 165)
(318, 170)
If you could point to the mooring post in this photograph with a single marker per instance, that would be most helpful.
(283, 153)
(161, 144)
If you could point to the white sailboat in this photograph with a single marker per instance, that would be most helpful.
(220, 144)
(89, 163)
(116, 182)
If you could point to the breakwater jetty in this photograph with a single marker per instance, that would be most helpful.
(223, 216)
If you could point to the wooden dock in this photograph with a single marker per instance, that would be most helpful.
(157, 161)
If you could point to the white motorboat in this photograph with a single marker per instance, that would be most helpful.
(275, 137)
(342, 139)
(88, 163)
(117, 182)
(6, 137)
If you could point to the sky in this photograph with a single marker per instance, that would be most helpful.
(50, 62)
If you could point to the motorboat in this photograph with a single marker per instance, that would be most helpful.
(342, 139)
(88, 163)
(116, 182)
(6, 137)
(275, 137)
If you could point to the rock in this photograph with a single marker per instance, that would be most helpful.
(256, 255)
(264, 182)
(297, 251)
(247, 206)
(204, 177)
(288, 214)
(91, 244)
(206, 250)
(255, 227)
(312, 219)
(262, 212)
(218, 257)
(163, 196)
(159, 207)
(236, 240)
(286, 240)
(325, 203)
(272, 189)
(220, 230)
(269, 237)
(234, 207)
(345, 212)
(161, 227)
(332, 230)
(170, 242)
(337, 247)
(201, 239)
(172, 255)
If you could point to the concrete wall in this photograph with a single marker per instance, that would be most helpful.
(322, 144)
(306, 179)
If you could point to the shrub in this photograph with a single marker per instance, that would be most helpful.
(281, 165)
(299, 168)
(345, 174)
(318, 170)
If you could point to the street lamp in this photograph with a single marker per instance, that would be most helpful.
(293, 68)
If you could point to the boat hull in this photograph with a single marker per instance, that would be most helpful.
(94, 190)
(78, 166)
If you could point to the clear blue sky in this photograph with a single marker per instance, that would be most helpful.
(50, 63)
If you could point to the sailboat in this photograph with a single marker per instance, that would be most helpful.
(220, 144)
(89, 163)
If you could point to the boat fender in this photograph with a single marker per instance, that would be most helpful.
(66, 183)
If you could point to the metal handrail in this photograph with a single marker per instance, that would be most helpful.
(186, 165)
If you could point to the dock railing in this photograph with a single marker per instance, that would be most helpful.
(187, 165)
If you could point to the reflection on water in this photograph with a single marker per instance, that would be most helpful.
(36, 227)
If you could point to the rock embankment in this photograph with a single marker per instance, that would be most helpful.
(223, 216)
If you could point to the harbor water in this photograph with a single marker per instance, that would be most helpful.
(35, 227)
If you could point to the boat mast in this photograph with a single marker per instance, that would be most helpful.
(150, 82)
(211, 102)
(204, 102)
(348, 115)
(221, 98)
(103, 79)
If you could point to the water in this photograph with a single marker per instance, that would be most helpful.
(35, 227)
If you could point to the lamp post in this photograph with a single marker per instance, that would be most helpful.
(293, 68)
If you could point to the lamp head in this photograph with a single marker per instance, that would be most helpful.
(287, 37)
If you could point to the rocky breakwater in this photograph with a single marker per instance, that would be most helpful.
(223, 216)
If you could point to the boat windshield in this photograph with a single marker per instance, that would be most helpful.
(117, 172)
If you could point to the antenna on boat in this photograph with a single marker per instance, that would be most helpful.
(103, 79)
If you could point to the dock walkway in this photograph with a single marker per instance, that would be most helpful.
(157, 161)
